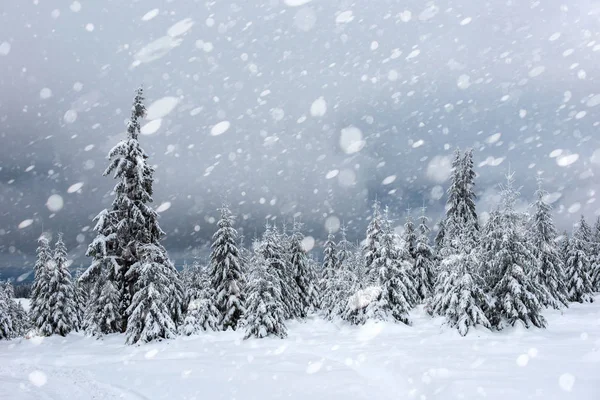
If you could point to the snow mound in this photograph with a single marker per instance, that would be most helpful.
(363, 298)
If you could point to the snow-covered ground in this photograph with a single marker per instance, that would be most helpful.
(319, 360)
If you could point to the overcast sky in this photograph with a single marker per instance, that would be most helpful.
(295, 107)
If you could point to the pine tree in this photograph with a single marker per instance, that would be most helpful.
(452, 220)
(579, 283)
(439, 236)
(20, 319)
(398, 294)
(460, 297)
(14, 321)
(7, 329)
(550, 269)
(469, 196)
(344, 247)
(265, 303)
(595, 276)
(102, 314)
(150, 313)
(329, 274)
(586, 236)
(563, 246)
(201, 315)
(305, 276)
(188, 278)
(226, 273)
(81, 296)
(125, 231)
(40, 312)
(410, 237)
(423, 270)
(517, 294)
(61, 300)
(374, 232)
(350, 266)
(461, 222)
(277, 258)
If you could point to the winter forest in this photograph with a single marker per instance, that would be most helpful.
(299, 199)
(504, 272)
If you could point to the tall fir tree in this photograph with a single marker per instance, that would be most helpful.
(305, 276)
(460, 297)
(276, 257)
(266, 312)
(563, 246)
(61, 299)
(516, 292)
(461, 221)
(7, 329)
(125, 231)
(469, 196)
(81, 295)
(410, 237)
(398, 294)
(423, 271)
(201, 314)
(439, 235)
(373, 238)
(596, 256)
(39, 312)
(350, 267)
(578, 266)
(329, 273)
(14, 321)
(550, 268)
(226, 273)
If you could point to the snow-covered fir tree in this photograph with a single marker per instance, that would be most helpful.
(265, 314)
(226, 273)
(550, 268)
(344, 247)
(563, 247)
(7, 330)
(516, 293)
(595, 276)
(461, 222)
(150, 313)
(102, 314)
(578, 266)
(305, 276)
(61, 299)
(14, 321)
(189, 281)
(398, 294)
(125, 230)
(373, 237)
(39, 312)
(201, 315)
(351, 266)
(275, 254)
(81, 296)
(329, 272)
(409, 237)
(423, 270)
(439, 235)
(460, 297)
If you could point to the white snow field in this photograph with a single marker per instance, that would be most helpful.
(319, 360)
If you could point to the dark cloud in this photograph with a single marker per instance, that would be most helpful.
(514, 81)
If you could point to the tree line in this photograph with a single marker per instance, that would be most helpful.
(498, 274)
